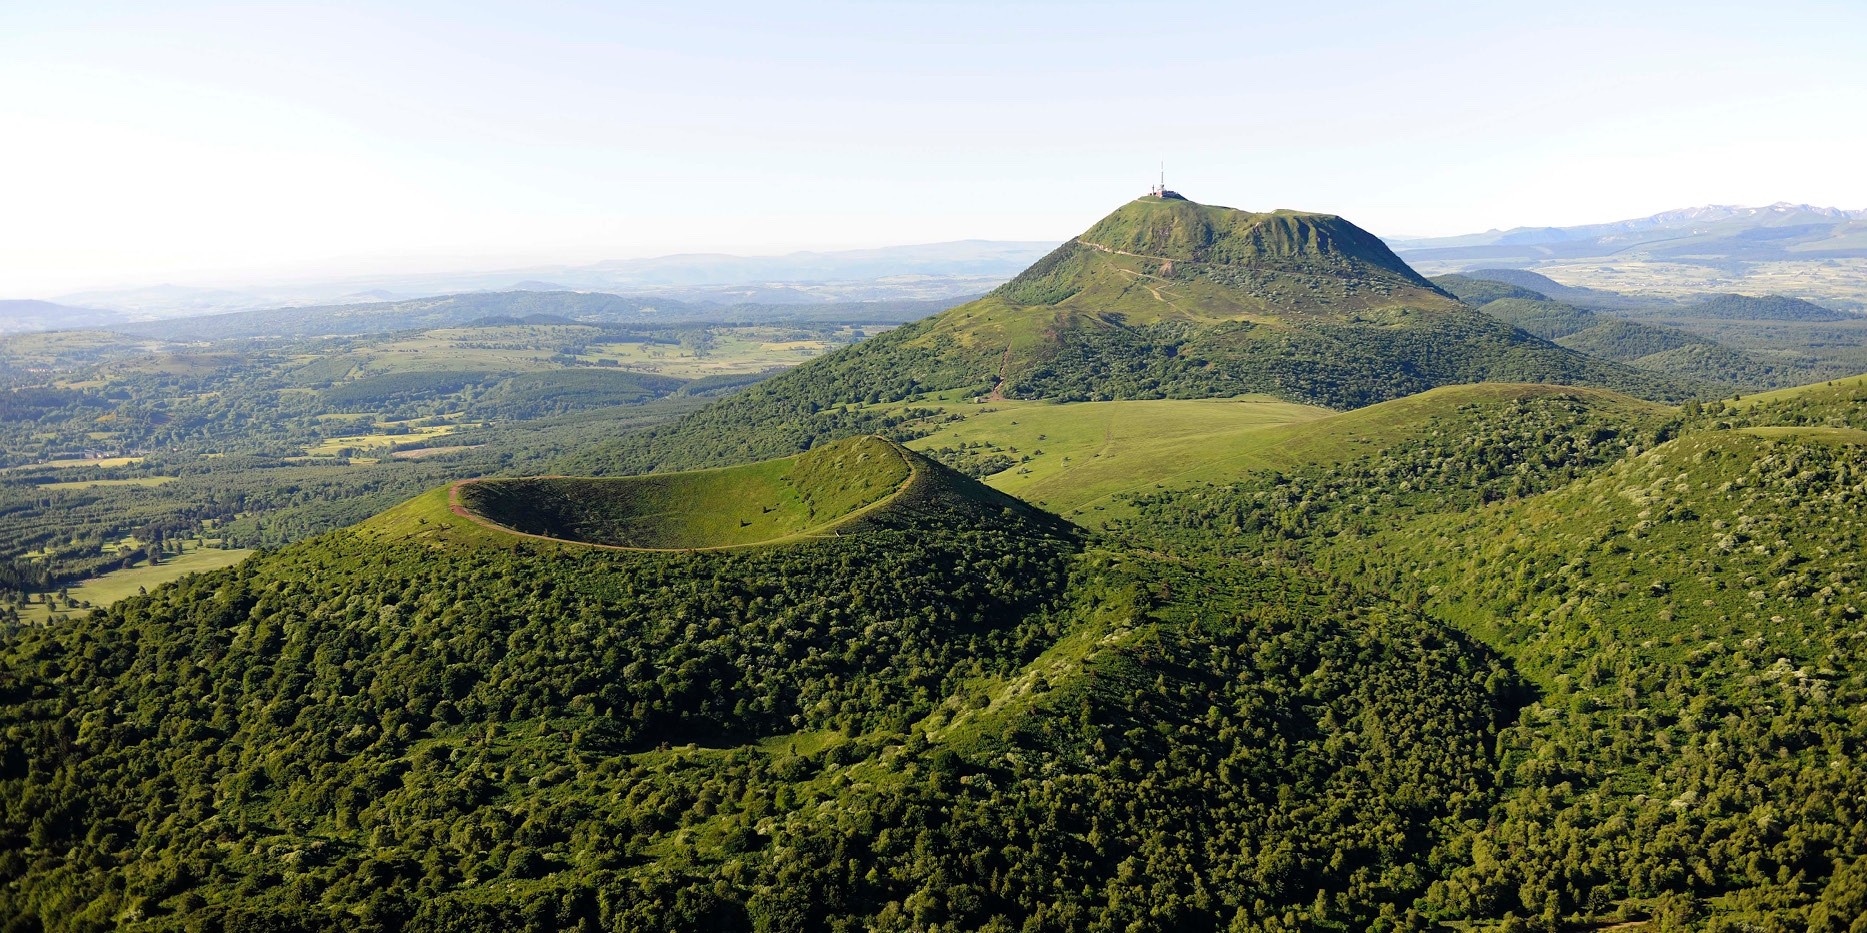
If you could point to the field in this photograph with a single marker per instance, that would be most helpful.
(734, 351)
(46, 350)
(366, 444)
(1832, 279)
(107, 589)
(1817, 392)
(1825, 279)
(690, 354)
(99, 483)
(204, 433)
(75, 462)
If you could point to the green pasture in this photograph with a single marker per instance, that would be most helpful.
(1074, 459)
(1071, 455)
(103, 591)
(93, 483)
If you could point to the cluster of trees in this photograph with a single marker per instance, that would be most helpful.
(977, 459)
(1695, 613)
(310, 695)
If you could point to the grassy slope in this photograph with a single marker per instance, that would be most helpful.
(1083, 452)
(725, 507)
(708, 508)
(1155, 260)
(1158, 261)
(1348, 434)
(1082, 456)
(840, 487)
(1832, 392)
(1113, 277)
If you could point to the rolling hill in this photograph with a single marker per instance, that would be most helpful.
(1164, 298)
(1522, 283)
(844, 487)
(1654, 347)
(20, 316)
(1683, 592)
(1783, 340)
(1085, 460)
(1758, 308)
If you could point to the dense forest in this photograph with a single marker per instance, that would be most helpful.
(1553, 662)
(765, 762)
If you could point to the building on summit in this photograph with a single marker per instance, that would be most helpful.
(1160, 190)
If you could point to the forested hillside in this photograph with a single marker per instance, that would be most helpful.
(1685, 594)
(1656, 348)
(1549, 660)
(894, 728)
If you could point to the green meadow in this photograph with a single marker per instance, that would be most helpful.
(1076, 459)
(103, 591)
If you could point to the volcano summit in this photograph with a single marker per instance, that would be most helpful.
(1163, 298)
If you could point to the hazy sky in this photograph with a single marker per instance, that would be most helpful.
(219, 143)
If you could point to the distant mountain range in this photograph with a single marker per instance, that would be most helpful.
(25, 315)
(512, 307)
(1800, 249)
(1714, 233)
(920, 272)
(1809, 252)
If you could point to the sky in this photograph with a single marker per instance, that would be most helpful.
(221, 143)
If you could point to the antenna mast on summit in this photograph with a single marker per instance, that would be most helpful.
(1160, 190)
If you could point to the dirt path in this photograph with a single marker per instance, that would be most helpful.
(1152, 289)
(1121, 252)
(998, 381)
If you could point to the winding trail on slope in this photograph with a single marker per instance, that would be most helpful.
(998, 381)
